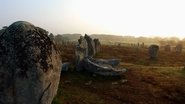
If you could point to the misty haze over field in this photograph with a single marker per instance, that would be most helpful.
(149, 18)
(92, 52)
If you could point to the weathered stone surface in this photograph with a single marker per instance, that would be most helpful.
(112, 62)
(85, 50)
(52, 37)
(91, 45)
(81, 51)
(29, 65)
(153, 50)
(167, 48)
(178, 48)
(65, 66)
(101, 69)
(1, 31)
(97, 45)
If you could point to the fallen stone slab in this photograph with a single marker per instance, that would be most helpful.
(112, 62)
(101, 69)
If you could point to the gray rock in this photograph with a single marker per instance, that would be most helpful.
(81, 51)
(91, 45)
(179, 48)
(153, 50)
(97, 45)
(88, 83)
(112, 62)
(29, 65)
(123, 81)
(115, 83)
(101, 69)
(65, 66)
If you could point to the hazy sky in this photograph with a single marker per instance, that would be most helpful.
(120, 17)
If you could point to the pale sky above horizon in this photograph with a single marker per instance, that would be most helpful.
(165, 18)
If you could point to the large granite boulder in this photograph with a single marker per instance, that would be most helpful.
(52, 37)
(81, 51)
(65, 66)
(153, 50)
(97, 45)
(91, 46)
(29, 65)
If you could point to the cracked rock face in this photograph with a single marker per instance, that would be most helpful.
(29, 65)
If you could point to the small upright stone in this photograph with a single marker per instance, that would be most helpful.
(153, 50)
(91, 46)
(81, 51)
(178, 48)
(97, 45)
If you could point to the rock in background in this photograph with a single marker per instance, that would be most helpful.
(179, 48)
(81, 51)
(29, 65)
(97, 45)
(84, 52)
(153, 50)
(91, 46)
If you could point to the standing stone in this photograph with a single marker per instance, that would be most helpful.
(52, 37)
(97, 45)
(179, 48)
(142, 45)
(153, 50)
(29, 65)
(167, 48)
(81, 51)
(91, 46)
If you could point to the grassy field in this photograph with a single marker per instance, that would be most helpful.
(160, 81)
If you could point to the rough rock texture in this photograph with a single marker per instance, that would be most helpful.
(81, 51)
(97, 45)
(153, 50)
(179, 48)
(111, 62)
(65, 66)
(85, 50)
(167, 48)
(101, 69)
(52, 37)
(91, 46)
(29, 65)
(1, 31)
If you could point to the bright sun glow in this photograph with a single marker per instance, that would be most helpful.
(119, 17)
(131, 17)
